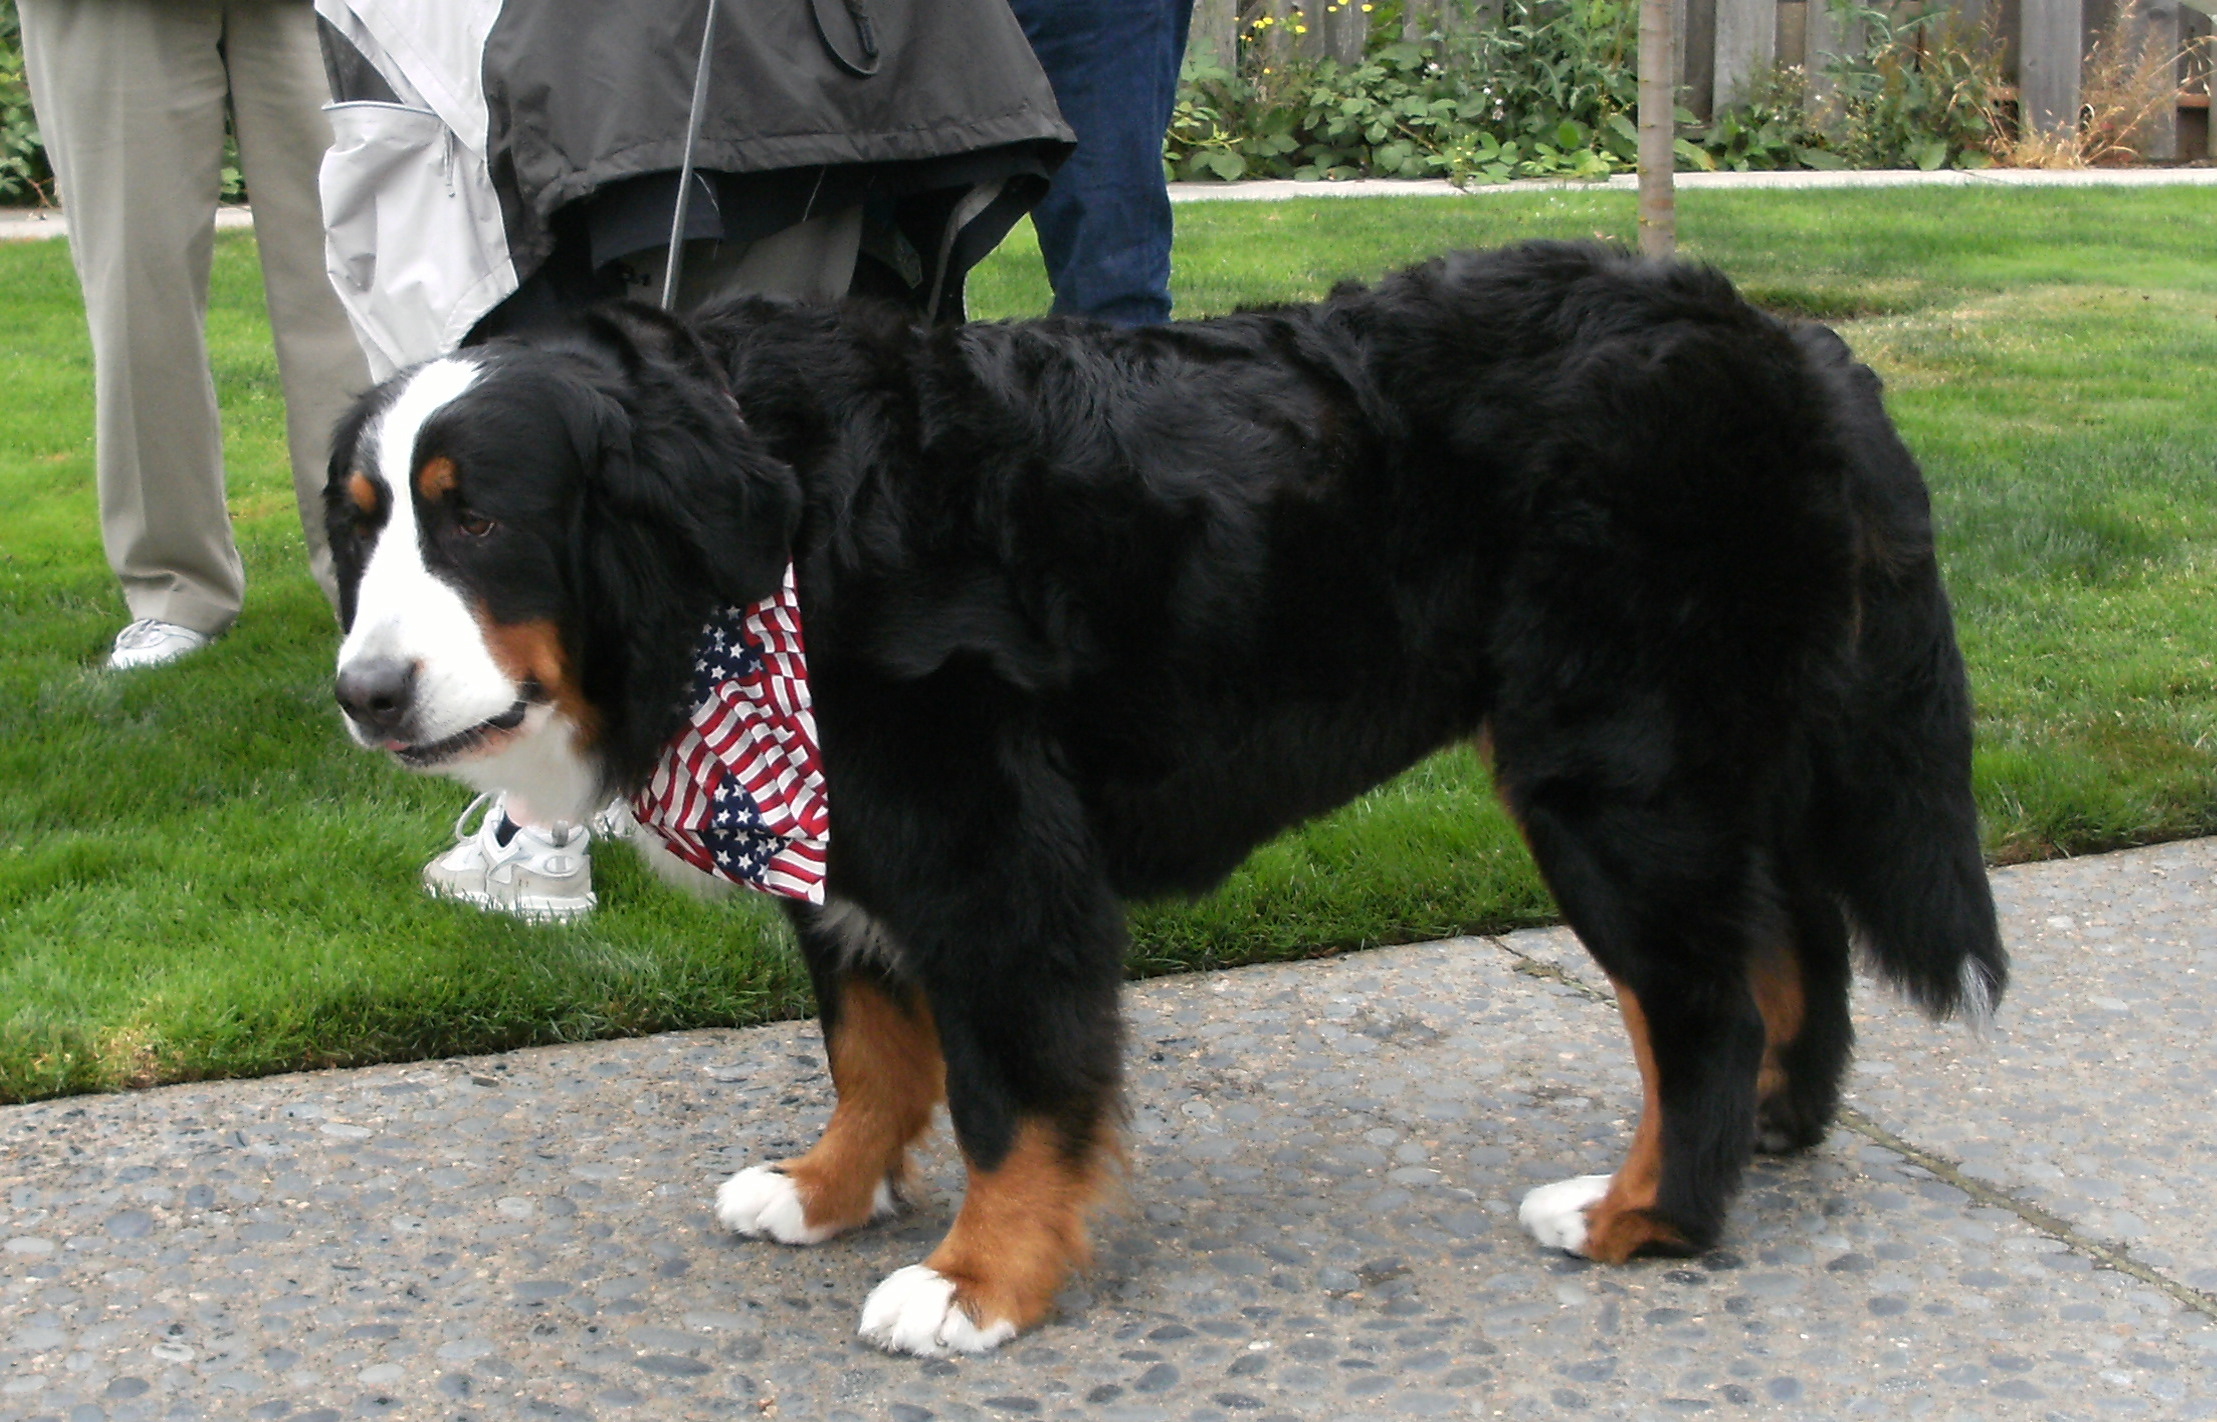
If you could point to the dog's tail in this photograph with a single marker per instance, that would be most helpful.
(1892, 826)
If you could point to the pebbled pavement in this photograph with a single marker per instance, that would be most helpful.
(1326, 1159)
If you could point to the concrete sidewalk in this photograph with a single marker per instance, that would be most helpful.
(1326, 1160)
(32, 224)
(1279, 189)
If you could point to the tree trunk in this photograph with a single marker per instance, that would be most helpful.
(1658, 107)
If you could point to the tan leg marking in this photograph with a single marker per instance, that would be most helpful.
(1619, 1225)
(1774, 971)
(886, 1067)
(1022, 1229)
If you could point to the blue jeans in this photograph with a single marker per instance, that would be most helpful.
(1104, 226)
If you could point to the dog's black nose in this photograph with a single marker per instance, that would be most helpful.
(378, 693)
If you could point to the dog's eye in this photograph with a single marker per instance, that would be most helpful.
(473, 525)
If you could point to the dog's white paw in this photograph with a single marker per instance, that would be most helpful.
(913, 1311)
(1555, 1215)
(762, 1202)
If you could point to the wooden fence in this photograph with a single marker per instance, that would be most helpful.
(1723, 45)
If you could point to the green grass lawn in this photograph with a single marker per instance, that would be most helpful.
(199, 876)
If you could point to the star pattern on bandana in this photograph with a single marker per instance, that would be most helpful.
(739, 791)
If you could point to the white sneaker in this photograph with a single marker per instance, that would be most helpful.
(613, 821)
(540, 875)
(148, 643)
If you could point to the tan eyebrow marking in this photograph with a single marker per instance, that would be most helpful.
(363, 491)
(436, 478)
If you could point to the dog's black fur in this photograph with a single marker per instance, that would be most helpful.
(1091, 613)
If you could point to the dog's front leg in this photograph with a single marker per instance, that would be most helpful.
(1020, 1234)
(1032, 1045)
(1024, 1051)
(988, 906)
(885, 1066)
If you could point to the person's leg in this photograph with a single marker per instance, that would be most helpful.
(129, 96)
(278, 91)
(1105, 226)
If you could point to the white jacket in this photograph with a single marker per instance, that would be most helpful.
(413, 234)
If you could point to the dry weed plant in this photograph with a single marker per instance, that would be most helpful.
(2130, 79)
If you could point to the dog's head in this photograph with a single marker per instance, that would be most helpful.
(528, 535)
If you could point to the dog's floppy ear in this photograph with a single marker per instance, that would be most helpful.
(665, 446)
(341, 509)
(681, 509)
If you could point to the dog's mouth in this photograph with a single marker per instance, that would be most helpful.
(461, 743)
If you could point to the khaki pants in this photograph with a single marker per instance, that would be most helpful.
(130, 96)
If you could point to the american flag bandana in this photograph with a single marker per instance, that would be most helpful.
(739, 792)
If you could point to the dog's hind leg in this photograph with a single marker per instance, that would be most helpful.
(1664, 912)
(1800, 976)
(883, 1049)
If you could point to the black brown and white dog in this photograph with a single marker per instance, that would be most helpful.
(1091, 613)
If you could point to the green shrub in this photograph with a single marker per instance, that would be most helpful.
(1392, 116)
(24, 175)
(1547, 92)
(1564, 86)
(1773, 130)
(1921, 90)
(1551, 91)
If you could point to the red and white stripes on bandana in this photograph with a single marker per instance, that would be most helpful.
(739, 792)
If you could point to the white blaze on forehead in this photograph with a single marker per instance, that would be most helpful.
(432, 388)
(402, 609)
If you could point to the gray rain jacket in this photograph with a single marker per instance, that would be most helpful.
(492, 156)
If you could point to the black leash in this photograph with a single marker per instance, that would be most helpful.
(858, 11)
